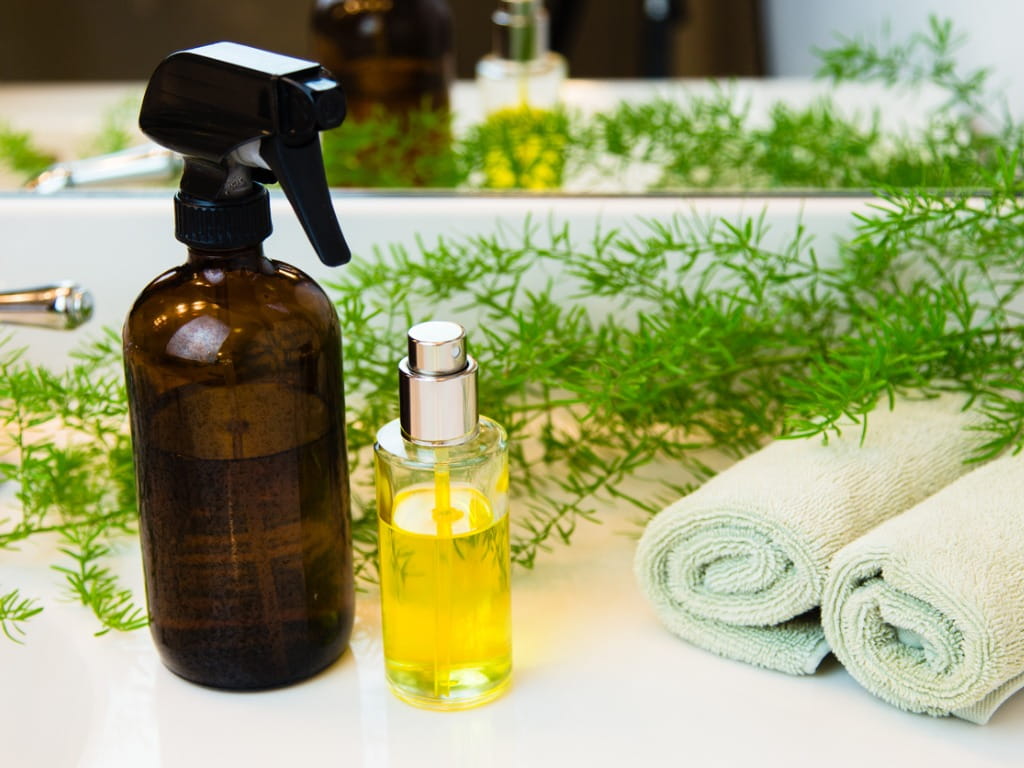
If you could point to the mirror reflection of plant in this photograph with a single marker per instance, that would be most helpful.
(708, 142)
(387, 150)
(520, 148)
(115, 133)
(19, 154)
(700, 143)
(693, 142)
(927, 57)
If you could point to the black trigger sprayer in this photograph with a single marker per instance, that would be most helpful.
(233, 366)
(240, 115)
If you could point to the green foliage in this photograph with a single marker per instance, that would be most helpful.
(682, 337)
(115, 133)
(660, 341)
(931, 290)
(18, 153)
(73, 474)
(15, 610)
(385, 150)
(927, 57)
(520, 148)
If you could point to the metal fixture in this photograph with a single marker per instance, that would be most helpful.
(148, 162)
(61, 307)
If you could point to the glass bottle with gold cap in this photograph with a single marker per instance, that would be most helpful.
(442, 503)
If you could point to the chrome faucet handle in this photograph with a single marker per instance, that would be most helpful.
(145, 162)
(61, 307)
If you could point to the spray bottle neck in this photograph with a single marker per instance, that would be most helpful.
(249, 258)
(225, 222)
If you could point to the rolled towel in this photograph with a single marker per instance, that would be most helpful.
(738, 566)
(927, 610)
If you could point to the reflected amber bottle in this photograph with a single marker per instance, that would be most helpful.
(395, 54)
(233, 366)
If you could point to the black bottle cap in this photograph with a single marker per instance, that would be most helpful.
(223, 224)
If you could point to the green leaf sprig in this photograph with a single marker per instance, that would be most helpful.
(74, 475)
(15, 610)
(20, 155)
(663, 341)
(926, 57)
(683, 337)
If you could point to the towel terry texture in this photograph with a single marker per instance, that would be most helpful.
(738, 566)
(927, 610)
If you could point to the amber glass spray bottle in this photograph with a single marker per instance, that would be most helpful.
(233, 365)
(442, 502)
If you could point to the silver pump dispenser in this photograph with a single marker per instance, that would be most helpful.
(437, 385)
(520, 30)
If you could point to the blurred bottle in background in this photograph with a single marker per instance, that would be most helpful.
(395, 60)
(520, 72)
(397, 55)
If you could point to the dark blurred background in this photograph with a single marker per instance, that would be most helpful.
(124, 39)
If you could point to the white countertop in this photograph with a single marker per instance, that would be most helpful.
(597, 681)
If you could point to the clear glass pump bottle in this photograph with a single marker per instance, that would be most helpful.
(520, 71)
(442, 503)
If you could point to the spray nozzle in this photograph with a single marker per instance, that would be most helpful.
(238, 115)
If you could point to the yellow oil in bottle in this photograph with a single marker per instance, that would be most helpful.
(445, 595)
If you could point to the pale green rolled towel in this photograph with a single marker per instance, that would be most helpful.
(927, 610)
(738, 566)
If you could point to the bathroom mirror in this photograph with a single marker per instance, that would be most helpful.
(618, 132)
(610, 137)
